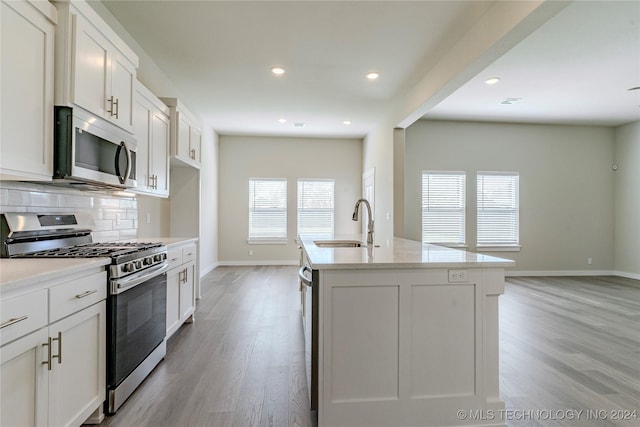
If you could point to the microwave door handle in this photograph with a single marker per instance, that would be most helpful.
(123, 178)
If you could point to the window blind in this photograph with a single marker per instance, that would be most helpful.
(443, 207)
(498, 208)
(316, 207)
(267, 209)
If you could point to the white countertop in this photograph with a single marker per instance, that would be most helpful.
(21, 272)
(400, 253)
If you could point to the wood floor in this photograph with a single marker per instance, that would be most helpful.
(566, 344)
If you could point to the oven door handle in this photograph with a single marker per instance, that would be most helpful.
(303, 278)
(122, 285)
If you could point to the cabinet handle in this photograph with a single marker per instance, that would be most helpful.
(13, 320)
(86, 294)
(155, 182)
(117, 104)
(48, 361)
(110, 110)
(59, 355)
(193, 153)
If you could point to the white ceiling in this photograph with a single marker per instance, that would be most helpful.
(576, 68)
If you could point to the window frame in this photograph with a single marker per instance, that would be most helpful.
(499, 245)
(300, 208)
(460, 209)
(255, 238)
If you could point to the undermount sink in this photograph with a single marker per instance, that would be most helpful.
(339, 243)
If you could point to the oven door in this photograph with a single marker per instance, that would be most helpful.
(136, 325)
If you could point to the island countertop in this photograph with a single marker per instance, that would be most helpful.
(399, 253)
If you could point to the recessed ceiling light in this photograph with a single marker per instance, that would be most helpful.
(347, 122)
(492, 80)
(298, 124)
(372, 75)
(282, 120)
(511, 101)
(278, 71)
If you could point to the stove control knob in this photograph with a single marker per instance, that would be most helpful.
(157, 258)
(138, 264)
(147, 261)
(128, 267)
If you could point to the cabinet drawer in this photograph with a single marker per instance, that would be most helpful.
(174, 257)
(77, 294)
(22, 314)
(188, 253)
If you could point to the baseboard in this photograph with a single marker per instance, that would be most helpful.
(209, 269)
(257, 263)
(561, 273)
(627, 275)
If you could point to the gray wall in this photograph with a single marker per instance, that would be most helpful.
(566, 186)
(244, 157)
(627, 201)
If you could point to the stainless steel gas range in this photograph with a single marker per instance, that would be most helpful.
(137, 282)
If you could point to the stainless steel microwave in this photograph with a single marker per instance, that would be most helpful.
(90, 152)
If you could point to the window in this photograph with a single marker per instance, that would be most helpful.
(315, 207)
(443, 207)
(498, 209)
(267, 210)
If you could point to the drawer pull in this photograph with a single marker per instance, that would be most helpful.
(174, 259)
(59, 356)
(86, 294)
(14, 320)
(48, 361)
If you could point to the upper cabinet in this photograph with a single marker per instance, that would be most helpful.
(186, 135)
(95, 69)
(152, 129)
(26, 89)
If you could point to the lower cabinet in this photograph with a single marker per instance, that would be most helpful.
(181, 285)
(54, 374)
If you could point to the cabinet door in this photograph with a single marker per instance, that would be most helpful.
(195, 137)
(123, 76)
(142, 127)
(187, 291)
(91, 68)
(24, 381)
(184, 130)
(78, 372)
(26, 92)
(159, 143)
(173, 300)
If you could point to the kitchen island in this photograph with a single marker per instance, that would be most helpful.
(406, 334)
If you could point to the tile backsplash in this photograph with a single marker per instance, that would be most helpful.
(116, 216)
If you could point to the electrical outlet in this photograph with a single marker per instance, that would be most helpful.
(148, 217)
(589, 261)
(458, 276)
(250, 253)
(117, 218)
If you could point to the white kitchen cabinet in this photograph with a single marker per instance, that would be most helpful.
(95, 69)
(152, 130)
(186, 135)
(53, 355)
(26, 89)
(181, 285)
(24, 381)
